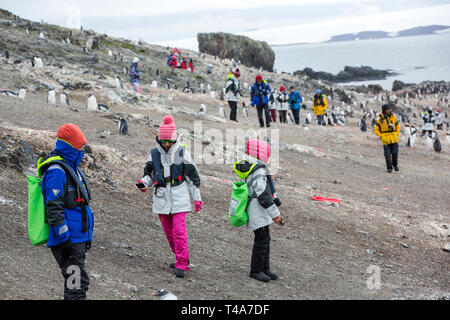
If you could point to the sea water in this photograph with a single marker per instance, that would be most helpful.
(416, 58)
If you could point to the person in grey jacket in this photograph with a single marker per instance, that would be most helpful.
(262, 207)
(233, 92)
(175, 177)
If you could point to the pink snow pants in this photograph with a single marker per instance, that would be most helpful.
(175, 229)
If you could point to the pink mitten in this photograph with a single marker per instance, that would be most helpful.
(198, 205)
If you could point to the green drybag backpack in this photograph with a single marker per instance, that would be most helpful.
(37, 228)
(237, 212)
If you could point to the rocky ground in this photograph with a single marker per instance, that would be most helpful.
(396, 222)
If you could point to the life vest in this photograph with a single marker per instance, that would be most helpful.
(76, 191)
(176, 169)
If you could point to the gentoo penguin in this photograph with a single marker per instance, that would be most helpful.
(436, 143)
(324, 119)
(51, 97)
(412, 137)
(202, 87)
(330, 120)
(447, 139)
(110, 54)
(118, 82)
(7, 55)
(125, 70)
(103, 107)
(290, 118)
(41, 35)
(158, 73)
(167, 85)
(202, 112)
(154, 84)
(212, 94)
(222, 112)
(342, 118)
(244, 109)
(164, 294)
(363, 125)
(308, 118)
(91, 103)
(64, 99)
(429, 142)
(22, 93)
(9, 93)
(37, 62)
(102, 77)
(208, 87)
(335, 120)
(123, 126)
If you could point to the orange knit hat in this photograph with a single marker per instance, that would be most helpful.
(71, 134)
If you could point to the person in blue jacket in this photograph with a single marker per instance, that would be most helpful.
(135, 75)
(67, 212)
(294, 103)
(260, 98)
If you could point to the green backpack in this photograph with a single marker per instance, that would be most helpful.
(37, 228)
(237, 212)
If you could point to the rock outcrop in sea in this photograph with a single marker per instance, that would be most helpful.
(250, 52)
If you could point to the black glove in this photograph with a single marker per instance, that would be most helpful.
(66, 249)
(88, 246)
(277, 201)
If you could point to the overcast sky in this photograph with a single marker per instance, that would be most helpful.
(274, 21)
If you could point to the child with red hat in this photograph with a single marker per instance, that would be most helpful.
(67, 212)
(282, 100)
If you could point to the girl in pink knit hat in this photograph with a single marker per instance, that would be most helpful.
(262, 206)
(175, 178)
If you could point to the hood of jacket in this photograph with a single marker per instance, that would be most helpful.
(246, 166)
(71, 155)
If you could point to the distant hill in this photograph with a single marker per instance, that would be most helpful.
(369, 35)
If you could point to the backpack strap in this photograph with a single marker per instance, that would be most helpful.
(81, 186)
(156, 157)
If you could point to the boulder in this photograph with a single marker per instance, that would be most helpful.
(250, 52)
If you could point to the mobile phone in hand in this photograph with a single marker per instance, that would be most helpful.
(139, 185)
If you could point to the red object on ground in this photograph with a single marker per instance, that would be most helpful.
(319, 198)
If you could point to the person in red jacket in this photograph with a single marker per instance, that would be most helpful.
(183, 64)
(191, 65)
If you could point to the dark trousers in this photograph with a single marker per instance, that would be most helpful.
(320, 120)
(260, 110)
(296, 114)
(261, 250)
(76, 279)
(233, 111)
(283, 118)
(273, 115)
(391, 155)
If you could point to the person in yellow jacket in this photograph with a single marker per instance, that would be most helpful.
(387, 129)
(319, 105)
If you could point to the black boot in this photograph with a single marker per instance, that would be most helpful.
(260, 276)
(271, 275)
(180, 273)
